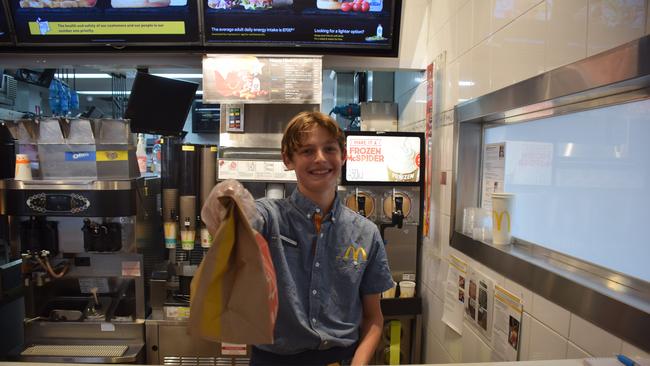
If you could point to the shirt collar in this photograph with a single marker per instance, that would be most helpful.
(308, 207)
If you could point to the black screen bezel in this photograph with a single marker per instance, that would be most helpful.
(306, 48)
(23, 38)
(4, 21)
(420, 135)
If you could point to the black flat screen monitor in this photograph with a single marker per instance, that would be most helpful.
(159, 105)
(105, 22)
(40, 78)
(4, 25)
(383, 158)
(369, 27)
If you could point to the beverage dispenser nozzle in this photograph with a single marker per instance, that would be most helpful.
(397, 216)
(188, 234)
(361, 204)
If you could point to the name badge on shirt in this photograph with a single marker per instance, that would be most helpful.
(291, 242)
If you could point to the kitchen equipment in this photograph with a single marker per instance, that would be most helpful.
(370, 187)
(83, 246)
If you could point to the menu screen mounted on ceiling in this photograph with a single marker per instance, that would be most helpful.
(105, 22)
(267, 80)
(360, 26)
(383, 158)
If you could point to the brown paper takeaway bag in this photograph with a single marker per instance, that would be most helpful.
(233, 295)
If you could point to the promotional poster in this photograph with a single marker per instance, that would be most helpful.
(377, 158)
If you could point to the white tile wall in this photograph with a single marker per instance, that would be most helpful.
(428, 307)
(446, 149)
(464, 28)
(566, 32)
(442, 10)
(420, 101)
(430, 265)
(524, 342)
(574, 352)
(482, 20)
(441, 279)
(433, 43)
(495, 43)
(611, 24)
(465, 76)
(593, 339)
(518, 49)
(410, 107)
(416, 35)
(436, 308)
(445, 201)
(434, 352)
(506, 11)
(556, 317)
(545, 344)
(406, 81)
(451, 85)
(444, 229)
(452, 342)
(447, 39)
(470, 345)
(481, 65)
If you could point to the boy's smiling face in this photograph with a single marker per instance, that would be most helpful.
(317, 163)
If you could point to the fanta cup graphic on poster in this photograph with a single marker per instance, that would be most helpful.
(502, 207)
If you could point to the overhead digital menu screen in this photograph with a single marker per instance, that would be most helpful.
(364, 25)
(4, 27)
(103, 22)
(376, 158)
(250, 79)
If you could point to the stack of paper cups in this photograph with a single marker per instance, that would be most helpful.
(502, 205)
(390, 293)
(275, 190)
(406, 289)
(206, 238)
(23, 169)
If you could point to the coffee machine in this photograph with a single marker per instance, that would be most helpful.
(382, 180)
(79, 227)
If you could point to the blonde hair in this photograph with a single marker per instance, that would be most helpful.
(303, 123)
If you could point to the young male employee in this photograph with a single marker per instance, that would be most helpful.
(330, 262)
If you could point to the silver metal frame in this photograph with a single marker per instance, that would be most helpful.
(57, 185)
(616, 302)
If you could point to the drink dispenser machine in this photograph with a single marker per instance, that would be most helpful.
(382, 180)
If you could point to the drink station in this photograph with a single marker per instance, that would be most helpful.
(382, 180)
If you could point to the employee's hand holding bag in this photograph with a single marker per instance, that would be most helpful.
(233, 295)
(213, 210)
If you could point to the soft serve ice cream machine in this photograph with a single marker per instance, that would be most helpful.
(382, 180)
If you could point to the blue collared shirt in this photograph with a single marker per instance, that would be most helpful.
(321, 276)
